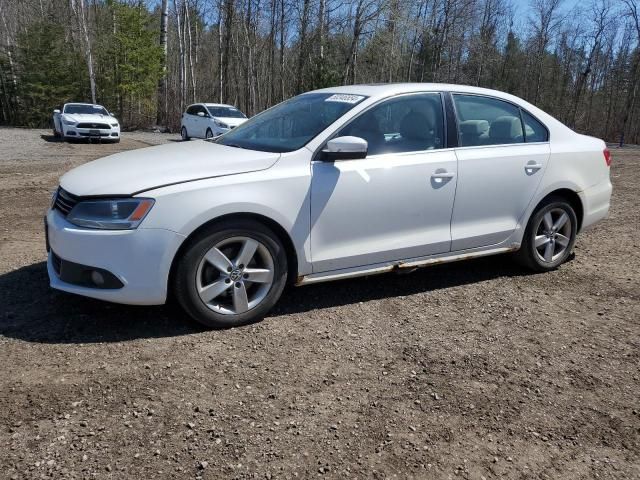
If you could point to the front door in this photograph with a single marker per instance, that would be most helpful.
(395, 204)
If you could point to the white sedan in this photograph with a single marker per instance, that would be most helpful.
(209, 120)
(332, 184)
(85, 120)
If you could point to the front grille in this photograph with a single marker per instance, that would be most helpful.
(64, 201)
(56, 262)
(94, 125)
(89, 134)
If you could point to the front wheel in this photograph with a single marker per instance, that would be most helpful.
(231, 274)
(209, 134)
(550, 236)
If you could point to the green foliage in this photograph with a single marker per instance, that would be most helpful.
(130, 59)
(48, 73)
(323, 75)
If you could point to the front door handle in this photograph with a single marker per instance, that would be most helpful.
(440, 178)
(443, 175)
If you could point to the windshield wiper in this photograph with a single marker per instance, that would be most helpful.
(234, 145)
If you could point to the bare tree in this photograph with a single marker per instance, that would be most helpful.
(79, 12)
(161, 117)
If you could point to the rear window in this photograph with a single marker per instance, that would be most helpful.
(534, 131)
(487, 121)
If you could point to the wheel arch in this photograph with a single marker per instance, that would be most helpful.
(572, 197)
(285, 238)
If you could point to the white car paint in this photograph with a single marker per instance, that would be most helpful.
(99, 123)
(346, 218)
(197, 125)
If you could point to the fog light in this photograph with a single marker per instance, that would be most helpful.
(97, 278)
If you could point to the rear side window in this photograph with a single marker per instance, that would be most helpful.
(534, 131)
(410, 123)
(487, 121)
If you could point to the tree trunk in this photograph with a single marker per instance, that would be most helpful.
(161, 110)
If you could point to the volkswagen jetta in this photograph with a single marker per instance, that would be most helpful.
(330, 184)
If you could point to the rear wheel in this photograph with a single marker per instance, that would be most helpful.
(550, 235)
(184, 134)
(231, 274)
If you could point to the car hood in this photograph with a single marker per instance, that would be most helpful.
(135, 171)
(231, 121)
(88, 117)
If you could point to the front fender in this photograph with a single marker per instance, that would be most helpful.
(281, 196)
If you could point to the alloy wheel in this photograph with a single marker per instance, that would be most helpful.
(235, 275)
(553, 235)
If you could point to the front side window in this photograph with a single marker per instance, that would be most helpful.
(291, 124)
(409, 123)
(487, 121)
(225, 112)
(85, 109)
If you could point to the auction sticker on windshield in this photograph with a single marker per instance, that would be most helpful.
(341, 97)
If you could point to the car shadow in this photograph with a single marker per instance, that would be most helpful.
(36, 313)
(51, 138)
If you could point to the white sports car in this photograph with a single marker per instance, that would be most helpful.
(332, 184)
(85, 120)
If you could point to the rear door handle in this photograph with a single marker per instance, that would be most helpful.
(532, 167)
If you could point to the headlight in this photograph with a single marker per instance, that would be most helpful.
(221, 124)
(115, 214)
(114, 124)
(68, 122)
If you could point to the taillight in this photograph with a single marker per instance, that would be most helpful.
(607, 156)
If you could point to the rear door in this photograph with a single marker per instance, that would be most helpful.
(502, 155)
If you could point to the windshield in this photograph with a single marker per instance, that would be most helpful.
(291, 124)
(85, 109)
(225, 112)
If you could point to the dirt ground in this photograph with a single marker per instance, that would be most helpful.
(469, 370)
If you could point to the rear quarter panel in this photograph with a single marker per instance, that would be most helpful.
(576, 163)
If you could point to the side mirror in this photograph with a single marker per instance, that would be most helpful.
(200, 114)
(56, 111)
(345, 148)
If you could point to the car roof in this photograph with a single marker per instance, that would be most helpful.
(81, 103)
(388, 89)
(219, 105)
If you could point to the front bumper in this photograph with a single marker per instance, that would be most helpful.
(72, 131)
(140, 259)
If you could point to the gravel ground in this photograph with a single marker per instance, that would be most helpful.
(475, 369)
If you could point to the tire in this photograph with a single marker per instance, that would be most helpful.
(56, 134)
(184, 134)
(239, 301)
(208, 134)
(555, 244)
